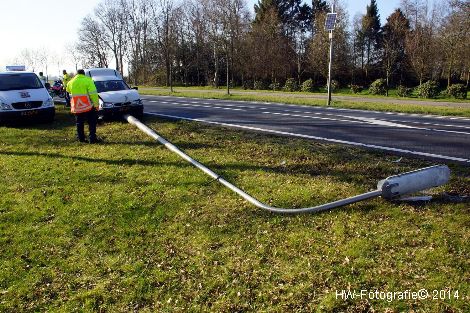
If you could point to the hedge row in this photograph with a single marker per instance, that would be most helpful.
(428, 90)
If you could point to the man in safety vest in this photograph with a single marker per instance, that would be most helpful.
(84, 98)
(65, 80)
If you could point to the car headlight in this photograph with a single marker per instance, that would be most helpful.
(137, 102)
(48, 103)
(4, 106)
(106, 105)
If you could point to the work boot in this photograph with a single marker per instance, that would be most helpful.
(96, 140)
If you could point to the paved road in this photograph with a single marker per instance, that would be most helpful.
(336, 97)
(446, 139)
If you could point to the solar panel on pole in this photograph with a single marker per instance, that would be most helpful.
(330, 21)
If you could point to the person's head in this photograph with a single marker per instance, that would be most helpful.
(40, 73)
(64, 72)
(80, 71)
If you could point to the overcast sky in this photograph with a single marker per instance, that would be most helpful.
(53, 24)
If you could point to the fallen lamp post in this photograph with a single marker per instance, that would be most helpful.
(390, 188)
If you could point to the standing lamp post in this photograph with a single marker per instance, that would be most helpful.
(330, 23)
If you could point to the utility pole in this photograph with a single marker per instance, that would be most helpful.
(330, 26)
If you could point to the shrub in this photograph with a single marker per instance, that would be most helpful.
(259, 85)
(334, 85)
(291, 85)
(378, 87)
(307, 86)
(403, 91)
(275, 86)
(248, 84)
(458, 91)
(356, 88)
(428, 90)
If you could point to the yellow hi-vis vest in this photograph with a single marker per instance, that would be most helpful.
(83, 94)
(65, 80)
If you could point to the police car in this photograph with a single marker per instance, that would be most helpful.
(24, 97)
(116, 97)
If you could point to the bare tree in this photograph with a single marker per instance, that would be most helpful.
(137, 25)
(454, 46)
(91, 45)
(358, 45)
(73, 55)
(27, 58)
(199, 42)
(319, 47)
(165, 22)
(200, 46)
(35, 60)
(113, 20)
(230, 23)
(421, 40)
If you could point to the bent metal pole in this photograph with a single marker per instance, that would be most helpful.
(434, 176)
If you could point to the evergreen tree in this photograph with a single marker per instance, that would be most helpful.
(318, 7)
(292, 13)
(267, 44)
(394, 33)
(294, 17)
(371, 34)
(263, 8)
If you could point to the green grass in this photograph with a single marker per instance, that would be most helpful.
(297, 98)
(392, 94)
(128, 226)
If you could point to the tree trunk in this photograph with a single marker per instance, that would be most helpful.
(468, 77)
(168, 70)
(387, 86)
(228, 74)
(216, 68)
(449, 74)
(171, 77)
(117, 61)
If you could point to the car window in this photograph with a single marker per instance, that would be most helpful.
(111, 85)
(19, 82)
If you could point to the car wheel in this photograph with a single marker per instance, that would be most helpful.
(139, 114)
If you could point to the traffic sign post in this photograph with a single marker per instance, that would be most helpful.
(330, 23)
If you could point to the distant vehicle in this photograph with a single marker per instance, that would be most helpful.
(57, 89)
(116, 97)
(23, 96)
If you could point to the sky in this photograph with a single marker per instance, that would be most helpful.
(52, 25)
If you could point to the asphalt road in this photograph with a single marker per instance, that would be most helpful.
(446, 139)
(317, 96)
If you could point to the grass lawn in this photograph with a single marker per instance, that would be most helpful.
(299, 98)
(128, 226)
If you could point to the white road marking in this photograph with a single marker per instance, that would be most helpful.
(317, 108)
(381, 122)
(391, 124)
(418, 153)
(352, 119)
(313, 117)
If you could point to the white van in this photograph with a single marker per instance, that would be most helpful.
(23, 96)
(116, 97)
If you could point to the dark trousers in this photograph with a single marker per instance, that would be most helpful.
(67, 99)
(90, 117)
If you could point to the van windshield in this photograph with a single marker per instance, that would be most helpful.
(110, 85)
(19, 82)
